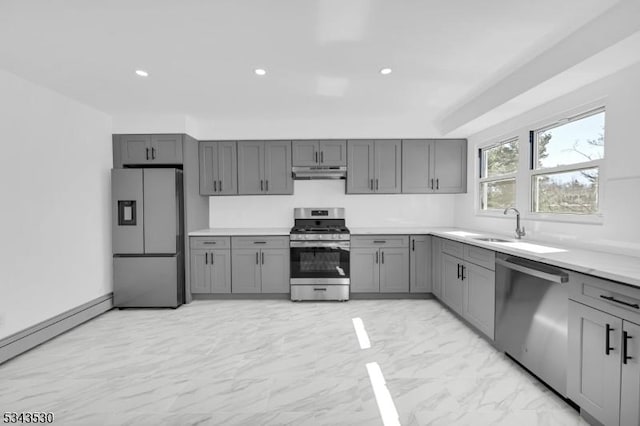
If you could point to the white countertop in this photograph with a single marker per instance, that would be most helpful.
(226, 232)
(616, 267)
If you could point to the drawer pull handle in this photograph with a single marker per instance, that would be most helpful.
(379, 241)
(625, 338)
(319, 289)
(209, 242)
(607, 339)
(259, 242)
(613, 299)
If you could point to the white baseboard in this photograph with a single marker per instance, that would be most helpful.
(31, 337)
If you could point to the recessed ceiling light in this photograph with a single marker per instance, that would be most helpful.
(142, 73)
(260, 71)
(385, 71)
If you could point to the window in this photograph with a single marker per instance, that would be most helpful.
(565, 164)
(498, 167)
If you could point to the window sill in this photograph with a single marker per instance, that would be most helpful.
(591, 219)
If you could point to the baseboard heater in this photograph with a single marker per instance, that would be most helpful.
(36, 335)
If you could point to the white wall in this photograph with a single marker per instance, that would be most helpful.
(619, 228)
(55, 249)
(361, 210)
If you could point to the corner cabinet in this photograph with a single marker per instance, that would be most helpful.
(264, 167)
(147, 149)
(468, 283)
(434, 166)
(420, 264)
(604, 346)
(210, 262)
(218, 167)
(260, 264)
(379, 264)
(319, 152)
(374, 166)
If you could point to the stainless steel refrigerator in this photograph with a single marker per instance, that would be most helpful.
(148, 255)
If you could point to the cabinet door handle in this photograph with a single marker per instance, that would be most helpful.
(153, 153)
(376, 257)
(220, 185)
(437, 183)
(212, 262)
(315, 155)
(377, 186)
(607, 339)
(371, 184)
(462, 268)
(613, 299)
(322, 156)
(625, 346)
(261, 185)
(413, 245)
(257, 259)
(382, 256)
(215, 186)
(431, 183)
(206, 258)
(266, 185)
(458, 271)
(262, 258)
(147, 149)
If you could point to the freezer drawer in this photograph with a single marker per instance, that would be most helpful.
(148, 281)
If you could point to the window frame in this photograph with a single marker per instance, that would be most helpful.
(575, 167)
(507, 176)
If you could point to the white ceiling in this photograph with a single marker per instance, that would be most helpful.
(322, 57)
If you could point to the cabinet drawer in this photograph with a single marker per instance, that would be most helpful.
(209, 242)
(609, 296)
(260, 242)
(480, 256)
(453, 248)
(379, 241)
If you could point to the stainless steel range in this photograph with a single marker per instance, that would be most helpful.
(320, 244)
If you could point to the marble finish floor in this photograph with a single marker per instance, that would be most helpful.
(255, 362)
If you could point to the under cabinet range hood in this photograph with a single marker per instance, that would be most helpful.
(319, 172)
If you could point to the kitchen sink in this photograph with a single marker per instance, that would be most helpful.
(492, 240)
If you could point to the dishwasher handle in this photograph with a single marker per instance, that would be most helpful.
(561, 277)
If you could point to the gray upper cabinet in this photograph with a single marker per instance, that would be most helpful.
(374, 166)
(420, 264)
(319, 152)
(434, 166)
(147, 149)
(360, 173)
(218, 168)
(264, 167)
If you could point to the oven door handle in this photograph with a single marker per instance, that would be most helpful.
(344, 245)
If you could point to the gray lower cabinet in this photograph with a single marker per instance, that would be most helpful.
(434, 166)
(420, 264)
(468, 283)
(604, 372)
(365, 272)
(147, 149)
(210, 265)
(379, 264)
(218, 168)
(374, 166)
(264, 167)
(319, 152)
(260, 264)
(436, 266)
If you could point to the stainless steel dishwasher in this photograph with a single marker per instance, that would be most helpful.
(531, 317)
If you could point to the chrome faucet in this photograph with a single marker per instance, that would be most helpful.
(519, 231)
